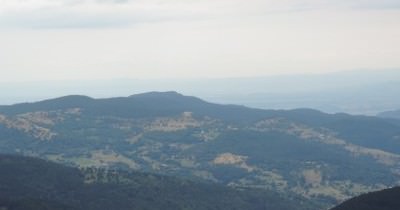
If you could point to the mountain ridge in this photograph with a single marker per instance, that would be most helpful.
(306, 152)
(191, 103)
(171, 101)
(394, 114)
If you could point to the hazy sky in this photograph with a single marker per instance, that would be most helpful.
(97, 39)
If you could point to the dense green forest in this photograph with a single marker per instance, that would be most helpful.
(326, 158)
(387, 199)
(29, 183)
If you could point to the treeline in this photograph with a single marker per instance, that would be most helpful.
(388, 199)
(28, 183)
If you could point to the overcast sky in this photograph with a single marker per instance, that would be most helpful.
(98, 39)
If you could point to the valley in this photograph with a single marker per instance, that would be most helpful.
(326, 158)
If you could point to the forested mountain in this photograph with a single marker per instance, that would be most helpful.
(367, 92)
(387, 199)
(322, 157)
(34, 184)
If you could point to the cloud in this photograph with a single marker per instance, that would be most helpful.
(114, 1)
(125, 13)
(376, 5)
(92, 13)
(193, 38)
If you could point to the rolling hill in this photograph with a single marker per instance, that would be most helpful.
(30, 183)
(387, 199)
(322, 157)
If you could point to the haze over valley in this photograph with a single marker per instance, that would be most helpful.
(199, 105)
(367, 92)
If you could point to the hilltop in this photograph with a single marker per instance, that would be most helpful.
(318, 156)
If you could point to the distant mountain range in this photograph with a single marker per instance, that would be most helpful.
(325, 158)
(366, 92)
(390, 114)
(387, 199)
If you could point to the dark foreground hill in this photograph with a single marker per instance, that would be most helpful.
(388, 199)
(34, 184)
(322, 157)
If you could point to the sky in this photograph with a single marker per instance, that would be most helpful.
(42, 40)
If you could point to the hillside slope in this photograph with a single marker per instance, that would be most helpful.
(319, 156)
(387, 199)
(28, 183)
